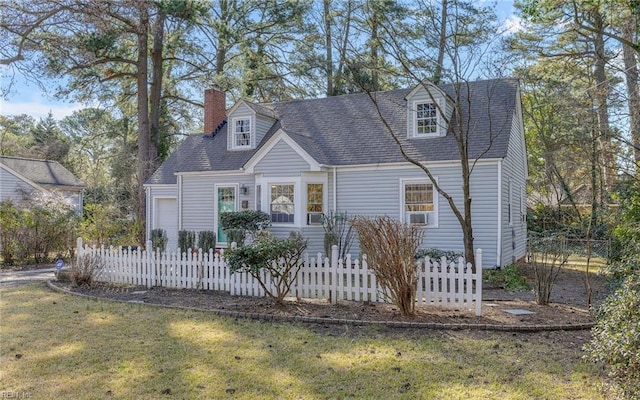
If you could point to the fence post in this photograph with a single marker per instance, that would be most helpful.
(334, 274)
(151, 265)
(479, 282)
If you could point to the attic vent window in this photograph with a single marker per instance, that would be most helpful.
(241, 133)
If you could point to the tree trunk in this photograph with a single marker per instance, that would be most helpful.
(375, 43)
(338, 84)
(437, 74)
(143, 115)
(633, 93)
(601, 92)
(328, 46)
(155, 95)
(467, 227)
(223, 40)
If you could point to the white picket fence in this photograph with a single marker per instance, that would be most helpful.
(442, 284)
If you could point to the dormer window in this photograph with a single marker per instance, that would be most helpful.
(426, 119)
(241, 133)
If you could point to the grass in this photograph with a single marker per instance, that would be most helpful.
(71, 347)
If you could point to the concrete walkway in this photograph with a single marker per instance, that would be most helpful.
(21, 277)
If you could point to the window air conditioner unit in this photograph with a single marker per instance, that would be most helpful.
(418, 219)
(314, 218)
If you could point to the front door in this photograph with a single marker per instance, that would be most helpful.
(226, 203)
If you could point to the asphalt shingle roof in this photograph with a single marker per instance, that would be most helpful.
(42, 172)
(346, 130)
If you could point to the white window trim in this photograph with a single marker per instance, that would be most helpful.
(433, 222)
(232, 129)
(414, 115)
(235, 187)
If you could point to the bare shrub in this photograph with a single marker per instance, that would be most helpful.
(86, 269)
(337, 232)
(547, 256)
(390, 246)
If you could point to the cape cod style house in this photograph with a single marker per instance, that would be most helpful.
(21, 177)
(298, 159)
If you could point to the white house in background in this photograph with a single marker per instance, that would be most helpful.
(298, 159)
(21, 177)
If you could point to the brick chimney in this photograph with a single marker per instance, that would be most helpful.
(215, 105)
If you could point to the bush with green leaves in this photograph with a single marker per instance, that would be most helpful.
(34, 231)
(206, 240)
(281, 259)
(508, 277)
(237, 224)
(437, 254)
(102, 224)
(186, 240)
(159, 239)
(11, 231)
(52, 225)
(616, 337)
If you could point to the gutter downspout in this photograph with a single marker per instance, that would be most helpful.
(499, 241)
(179, 194)
(149, 211)
(335, 190)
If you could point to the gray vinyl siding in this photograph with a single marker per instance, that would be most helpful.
(514, 237)
(263, 124)
(198, 199)
(13, 188)
(282, 160)
(378, 192)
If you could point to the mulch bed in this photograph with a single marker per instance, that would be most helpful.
(568, 308)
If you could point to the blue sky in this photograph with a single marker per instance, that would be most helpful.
(27, 97)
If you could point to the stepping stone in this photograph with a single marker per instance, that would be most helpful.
(139, 292)
(519, 312)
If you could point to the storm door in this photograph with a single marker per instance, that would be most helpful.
(226, 197)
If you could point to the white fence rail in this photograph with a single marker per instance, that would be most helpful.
(441, 284)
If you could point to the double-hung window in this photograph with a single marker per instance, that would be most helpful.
(419, 206)
(241, 133)
(282, 208)
(315, 200)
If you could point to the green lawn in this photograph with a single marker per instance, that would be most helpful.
(56, 346)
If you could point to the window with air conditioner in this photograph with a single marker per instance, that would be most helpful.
(418, 203)
(315, 201)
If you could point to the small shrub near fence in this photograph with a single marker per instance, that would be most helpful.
(441, 283)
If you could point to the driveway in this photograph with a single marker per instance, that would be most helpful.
(20, 277)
